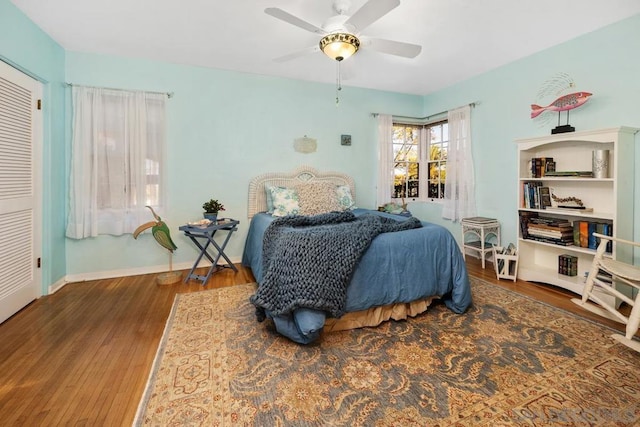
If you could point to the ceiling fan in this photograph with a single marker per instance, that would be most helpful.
(341, 33)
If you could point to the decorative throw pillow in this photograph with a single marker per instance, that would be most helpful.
(345, 199)
(269, 199)
(317, 198)
(285, 201)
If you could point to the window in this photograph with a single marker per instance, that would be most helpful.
(420, 160)
(117, 160)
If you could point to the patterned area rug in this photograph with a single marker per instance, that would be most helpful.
(508, 361)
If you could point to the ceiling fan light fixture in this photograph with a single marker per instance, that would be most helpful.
(339, 46)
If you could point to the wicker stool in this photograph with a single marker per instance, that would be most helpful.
(482, 228)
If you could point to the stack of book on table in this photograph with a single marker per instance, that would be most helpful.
(550, 230)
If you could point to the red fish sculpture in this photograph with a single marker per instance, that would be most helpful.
(564, 103)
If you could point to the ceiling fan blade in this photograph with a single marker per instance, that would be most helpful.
(294, 55)
(391, 47)
(293, 20)
(370, 12)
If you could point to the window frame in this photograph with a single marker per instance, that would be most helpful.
(423, 159)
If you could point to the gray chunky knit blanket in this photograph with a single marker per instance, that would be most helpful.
(308, 260)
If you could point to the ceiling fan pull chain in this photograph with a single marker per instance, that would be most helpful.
(338, 83)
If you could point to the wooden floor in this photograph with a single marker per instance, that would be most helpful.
(82, 355)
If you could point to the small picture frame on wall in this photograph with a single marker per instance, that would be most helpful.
(345, 139)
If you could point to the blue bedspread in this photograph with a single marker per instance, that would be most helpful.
(398, 267)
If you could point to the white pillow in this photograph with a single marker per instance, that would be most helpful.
(345, 199)
(285, 201)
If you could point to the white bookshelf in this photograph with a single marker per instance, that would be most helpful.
(611, 199)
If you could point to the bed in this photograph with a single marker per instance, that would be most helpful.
(399, 275)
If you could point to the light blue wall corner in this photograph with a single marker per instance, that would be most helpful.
(27, 48)
(605, 63)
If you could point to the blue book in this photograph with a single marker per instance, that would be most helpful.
(608, 231)
(591, 243)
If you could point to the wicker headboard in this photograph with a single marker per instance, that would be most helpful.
(304, 174)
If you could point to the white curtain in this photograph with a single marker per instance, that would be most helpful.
(459, 191)
(117, 160)
(385, 159)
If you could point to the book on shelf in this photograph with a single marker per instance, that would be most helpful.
(608, 231)
(535, 195)
(566, 236)
(525, 217)
(554, 228)
(541, 165)
(544, 196)
(530, 194)
(550, 166)
(550, 226)
(583, 234)
(549, 240)
(568, 265)
(579, 174)
(557, 231)
(560, 234)
(552, 222)
(561, 240)
(576, 233)
(591, 239)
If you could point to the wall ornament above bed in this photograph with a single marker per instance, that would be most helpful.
(305, 145)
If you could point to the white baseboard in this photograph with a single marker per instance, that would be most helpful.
(54, 287)
(98, 275)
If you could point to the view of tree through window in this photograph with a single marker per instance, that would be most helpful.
(438, 142)
(419, 148)
(406, 158)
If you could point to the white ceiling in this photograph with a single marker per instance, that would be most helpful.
(459, 38)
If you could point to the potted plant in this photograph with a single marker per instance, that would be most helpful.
(211, 209)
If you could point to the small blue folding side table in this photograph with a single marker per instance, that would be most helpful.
(206, 234)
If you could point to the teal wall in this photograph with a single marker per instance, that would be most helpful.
(225, 128)
(28, 48)
(605, 62)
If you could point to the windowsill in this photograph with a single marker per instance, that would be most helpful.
(434, 201)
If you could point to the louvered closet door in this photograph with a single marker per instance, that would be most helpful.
(19, 222)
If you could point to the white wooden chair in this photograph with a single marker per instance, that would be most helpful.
(620, 273)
